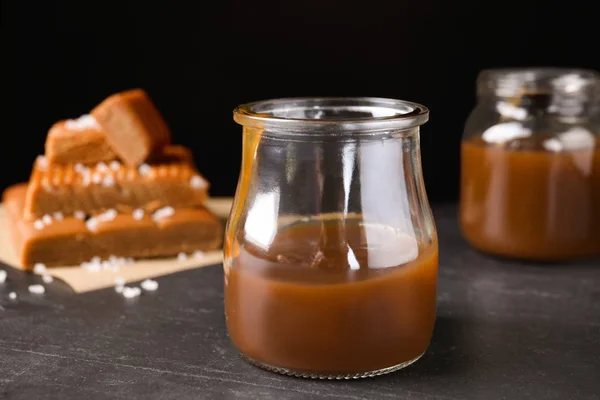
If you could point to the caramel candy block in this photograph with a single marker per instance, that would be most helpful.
(78, 140)
(60, 240)
(133, 126)
(72, 188)
(172, 154)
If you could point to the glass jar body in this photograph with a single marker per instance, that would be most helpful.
(331, 254)
(530, 175)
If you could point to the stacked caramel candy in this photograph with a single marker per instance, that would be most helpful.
(111, 185)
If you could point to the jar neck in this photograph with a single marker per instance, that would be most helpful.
(334, 118)
(527, 93)
(533, 105)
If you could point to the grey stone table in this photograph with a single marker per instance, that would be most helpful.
(505, 330)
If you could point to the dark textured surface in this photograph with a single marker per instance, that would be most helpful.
(505, 330)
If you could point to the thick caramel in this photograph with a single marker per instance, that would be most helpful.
(530, 204)
(78, 141)
(134, 127)
(63, 240)
(320, 302)
(171, 180)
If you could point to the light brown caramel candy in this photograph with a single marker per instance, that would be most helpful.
(133, 126)
(171, 181)
(60, 240)
(78, 140)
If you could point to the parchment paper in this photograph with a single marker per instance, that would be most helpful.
(82, 280)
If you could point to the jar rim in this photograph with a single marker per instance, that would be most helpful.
(515, 81)
(332, 115)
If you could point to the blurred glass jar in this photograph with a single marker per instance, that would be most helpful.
(331, 250)
(530, 165)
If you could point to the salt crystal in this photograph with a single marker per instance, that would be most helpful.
(115, 165)
(96, 178)
(119, 281)
(47, 278)
(12, 295)
(163, 213)
(144, 169)
(79, 167)
(42, 162)
(79, 215)
(198, 255)
(92, 267)
(108, 180)
(101, 167)
(36, 289)
(2, 276)
(46, 219)
(110, 265)
(91, 224)
(119, 289)
(111, 214)
(84, 122)
(196, 182)
(94, 260)
(138, 214)
(108, 215)
(58, 216)
(39, 268)
(38, 224)
(87, 179)
(181, 256)
(149, 285)
(129, 292)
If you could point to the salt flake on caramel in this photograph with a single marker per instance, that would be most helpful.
(162, 213)
(196, 182)
(85, 121)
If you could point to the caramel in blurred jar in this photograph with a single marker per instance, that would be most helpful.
(530, 165)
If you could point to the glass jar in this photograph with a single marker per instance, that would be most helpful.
(331, 250)
(530, 165)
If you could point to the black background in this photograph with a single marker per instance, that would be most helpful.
(198, 60)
